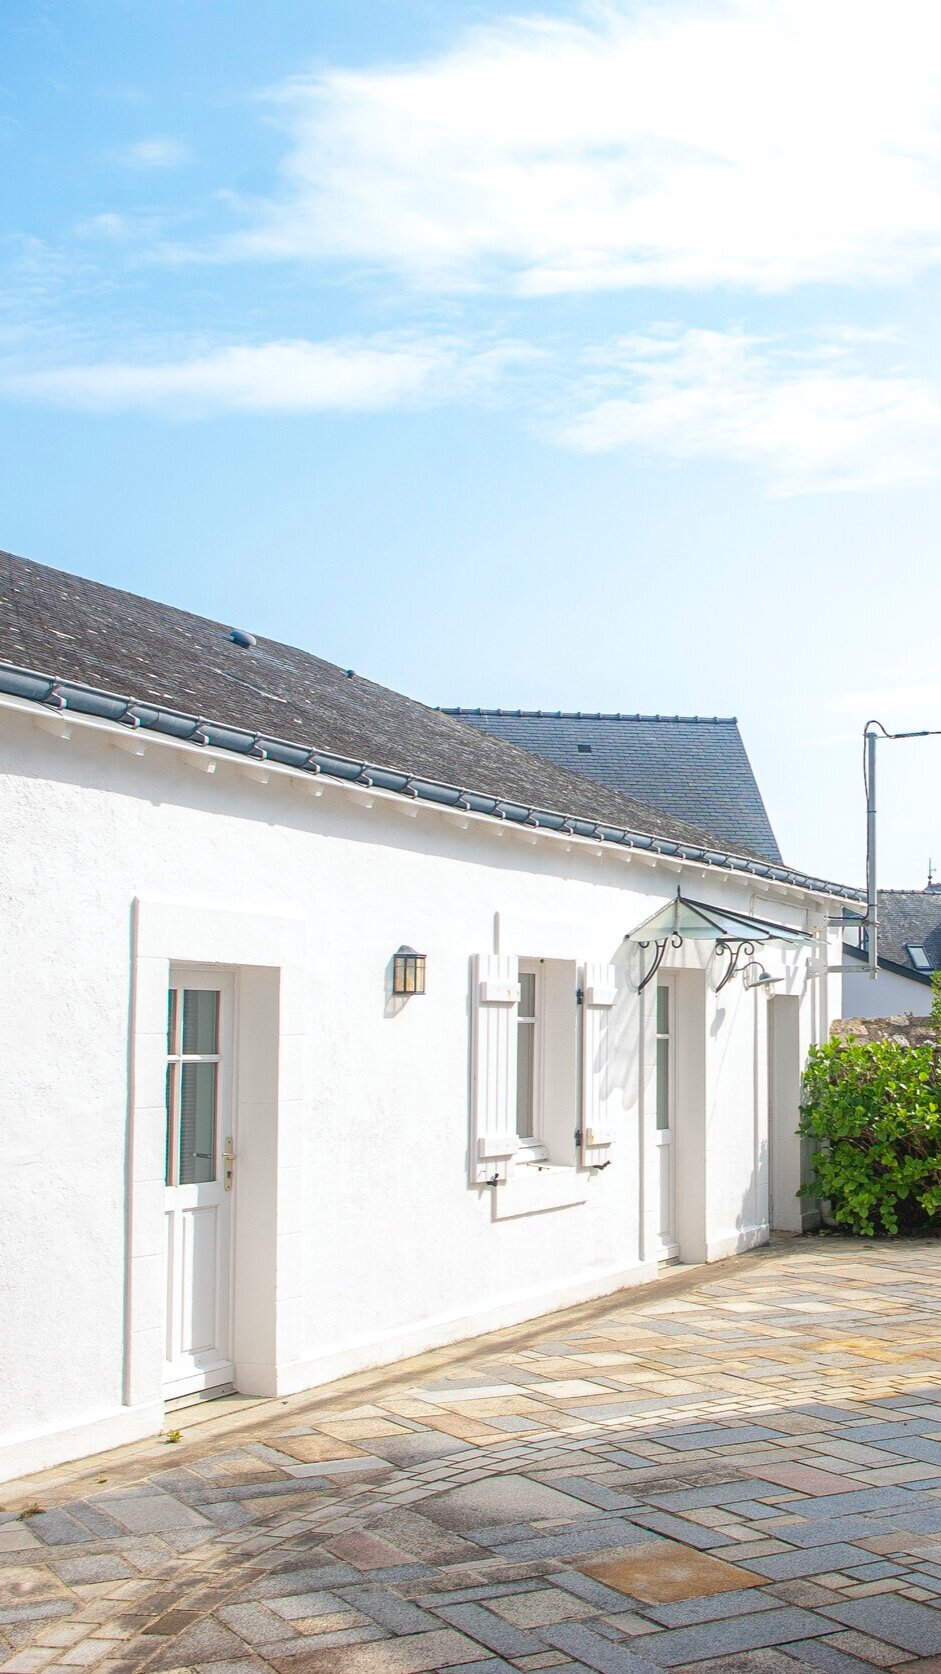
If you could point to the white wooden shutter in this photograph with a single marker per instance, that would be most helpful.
(495, 1010)
(599, 987)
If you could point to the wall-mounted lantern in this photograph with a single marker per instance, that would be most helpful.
(408, 972)
(754, 975)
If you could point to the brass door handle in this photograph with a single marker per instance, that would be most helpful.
(228, 1158)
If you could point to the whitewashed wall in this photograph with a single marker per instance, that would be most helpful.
(886, 995)
(353, 1204)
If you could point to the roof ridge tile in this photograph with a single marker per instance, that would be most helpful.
(591, 715)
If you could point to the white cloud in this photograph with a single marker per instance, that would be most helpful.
(160, 152)
(107, 226)
(903, 695)
(755, 143)
(290, 376)
(806, 421)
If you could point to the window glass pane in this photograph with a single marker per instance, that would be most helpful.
(197, 1123)
(527, 1007)
(201, 1020)
(663, 1010)
(663, 1083)
(525, 1066)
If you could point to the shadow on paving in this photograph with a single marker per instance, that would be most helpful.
(741, 1475)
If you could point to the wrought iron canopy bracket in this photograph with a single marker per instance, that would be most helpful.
(735, 950)
(661, 947)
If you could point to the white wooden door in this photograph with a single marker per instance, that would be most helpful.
(200, 1143)
(666, 1116)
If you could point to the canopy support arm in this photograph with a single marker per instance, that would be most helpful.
(661, 947)
(735, 951)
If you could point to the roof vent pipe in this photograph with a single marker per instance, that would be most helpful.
(240, 636)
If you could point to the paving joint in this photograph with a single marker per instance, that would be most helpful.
(735, 1469)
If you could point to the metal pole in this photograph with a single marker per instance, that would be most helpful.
(872, 907)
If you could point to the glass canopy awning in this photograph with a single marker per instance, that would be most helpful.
(734, 933)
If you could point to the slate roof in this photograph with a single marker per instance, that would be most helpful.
(77, 629)
(909, 918)
(111, 653)
(693, 766)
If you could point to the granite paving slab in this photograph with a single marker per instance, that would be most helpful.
(752, 1662)
(502, 1499)
(742, 1633)
(902, 1621)
(663, 1571)
(737, 1469)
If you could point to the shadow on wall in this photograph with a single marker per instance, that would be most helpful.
(625, 1045)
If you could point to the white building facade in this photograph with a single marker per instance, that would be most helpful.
(891, 993)
(302, 1174)
(909, 956)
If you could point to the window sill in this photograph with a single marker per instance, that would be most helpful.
(533, 1189)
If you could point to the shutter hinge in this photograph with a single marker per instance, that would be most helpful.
(578, 1136)
(579, 996)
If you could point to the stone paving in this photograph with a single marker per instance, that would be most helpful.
(737, 1469)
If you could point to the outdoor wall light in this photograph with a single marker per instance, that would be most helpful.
(755, 976)
(408, 972)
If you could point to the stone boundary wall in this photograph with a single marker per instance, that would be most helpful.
(906, 1030)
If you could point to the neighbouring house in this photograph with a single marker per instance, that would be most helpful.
(909, 950)
(336, 1029)
(692, 766)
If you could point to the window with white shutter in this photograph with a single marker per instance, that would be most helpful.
(494, 1065)
(525, 1073)
(599, 993)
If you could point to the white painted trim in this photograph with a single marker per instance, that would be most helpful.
(186, 933)
(27, 1454)
(391, 1346)
(600, 1136)
(497, 1145)
(531, 1190)
(736, 1243)
(499, 993)
(207, 757)
(493, 1061)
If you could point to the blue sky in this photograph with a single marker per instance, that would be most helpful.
(570, 355)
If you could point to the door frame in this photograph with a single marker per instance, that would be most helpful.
(786, 1151)
(691, 1041)
(270, 956)
(667, 1251)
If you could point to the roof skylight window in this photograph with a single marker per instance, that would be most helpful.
(918, 957)
(584, 749)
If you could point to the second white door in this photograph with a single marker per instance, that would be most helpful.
(199, 1169)
(666, 1117)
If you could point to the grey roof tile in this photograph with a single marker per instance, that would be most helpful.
(907, 918)
(694, 767)
(129, 658)
(64, 625)
(910, 917)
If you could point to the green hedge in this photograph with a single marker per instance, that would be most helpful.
(874, 1109)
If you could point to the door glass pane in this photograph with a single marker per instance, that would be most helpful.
(197, 1123)
(171, 1094)
(527, 1006)
(663, 1010)
(200, 1020)
(525, 1065)
(663, 1082)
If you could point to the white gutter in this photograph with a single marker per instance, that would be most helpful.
(139, 726)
